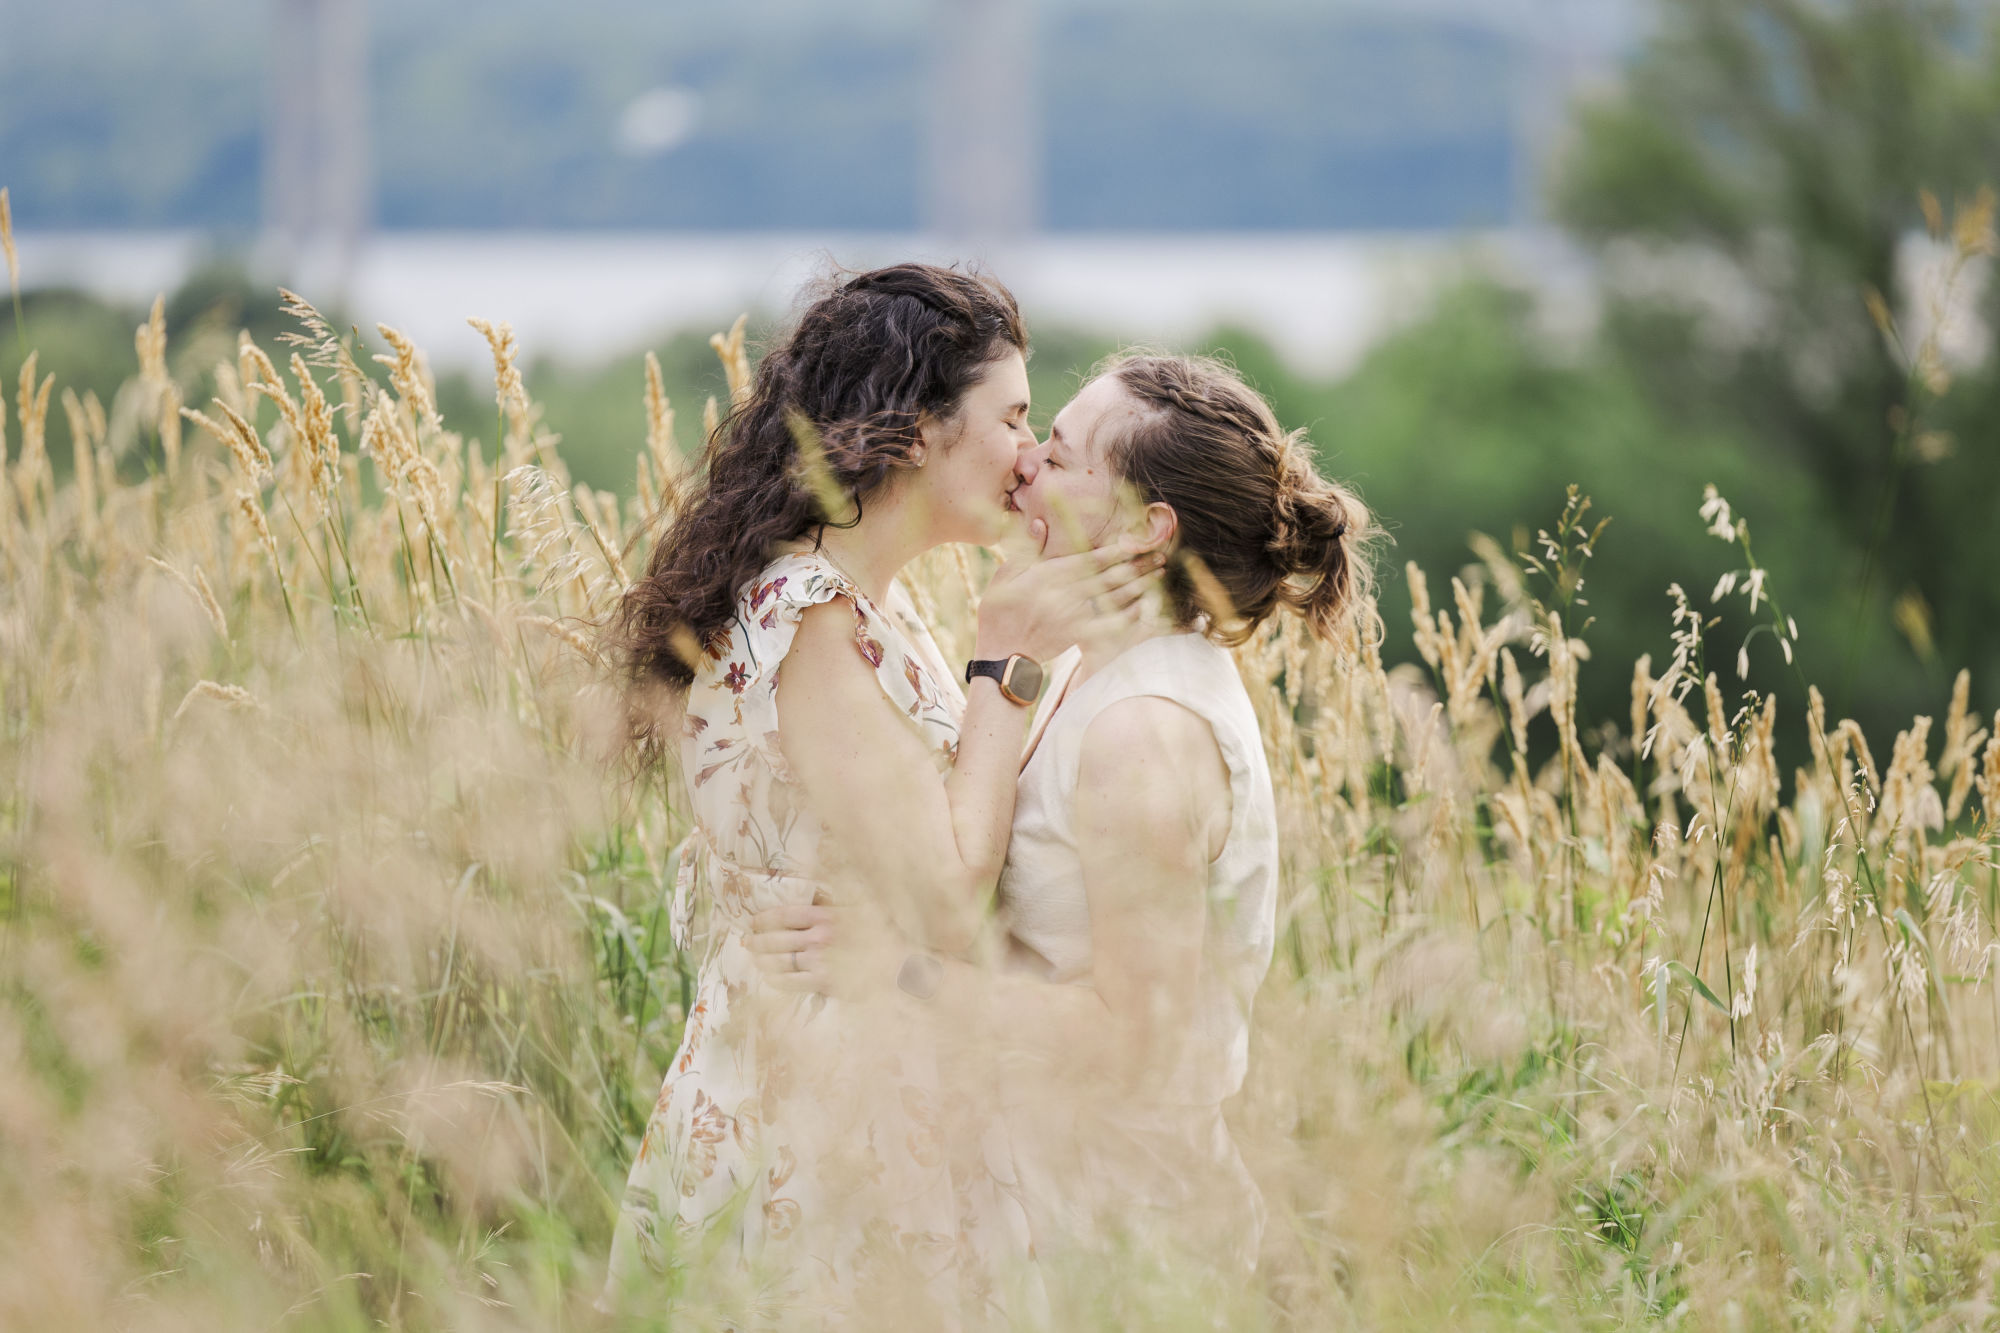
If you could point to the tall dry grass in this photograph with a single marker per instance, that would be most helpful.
(338, 985)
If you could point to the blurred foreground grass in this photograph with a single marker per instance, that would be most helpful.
(337, 985)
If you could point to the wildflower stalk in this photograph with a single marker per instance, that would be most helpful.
(1717, 886)
(1785, 630)
(337, 524)
(409, 569)
(1561, 562)
(253, 513)
(13, 270)
(305, 542)
(495, 533)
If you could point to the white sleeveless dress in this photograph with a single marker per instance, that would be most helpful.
(1161, 1165)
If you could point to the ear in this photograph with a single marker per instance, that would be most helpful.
(1157, 529)
(937, 433)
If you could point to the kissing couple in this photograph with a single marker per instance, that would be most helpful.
(979, 940)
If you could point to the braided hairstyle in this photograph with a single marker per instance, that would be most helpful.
(873, 355)
(1259, 528)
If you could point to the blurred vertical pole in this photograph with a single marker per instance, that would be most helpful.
(288, 132)
(317, 200)
(343, 94)
(1543, 83)
(983, 169)
(1563, 50)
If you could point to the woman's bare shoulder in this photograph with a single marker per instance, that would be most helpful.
(1147, 737)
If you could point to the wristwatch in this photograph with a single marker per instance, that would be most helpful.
(920, 975)
(1020, 678)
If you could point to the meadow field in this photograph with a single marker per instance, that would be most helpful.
(338, 982)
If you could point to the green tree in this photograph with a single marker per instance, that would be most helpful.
(1783, 148)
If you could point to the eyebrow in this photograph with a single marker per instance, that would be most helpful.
(1012, 408)
(1057, 438)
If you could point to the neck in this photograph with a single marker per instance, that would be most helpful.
(874, 551)
(1153, 623)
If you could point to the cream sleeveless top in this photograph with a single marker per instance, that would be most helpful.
(1173, 1147)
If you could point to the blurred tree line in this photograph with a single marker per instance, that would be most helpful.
(1789, 147)
(1298, 113)
(1771, 197)
(1760, 173)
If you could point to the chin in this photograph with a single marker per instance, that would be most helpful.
(984, 529)
(1022, 523)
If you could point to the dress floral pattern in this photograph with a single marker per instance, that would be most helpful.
(805, 1159)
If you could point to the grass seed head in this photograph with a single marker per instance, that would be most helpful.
(567, 634)
(150, 341)
(273, 387)
(536, 506)
(240, 437)
(32, 407)
(252, 510)
(84, 427)
(411, 378)
(660, 444)
(316, 437)
(1989, 778)
(1972, 226)
(7, 241)
(196, 588)
(324, 345)
(253, 367)
(735, 362)
(510, 393)
(168, 423)
(592, 512)
(229, 696)
(1517, 707)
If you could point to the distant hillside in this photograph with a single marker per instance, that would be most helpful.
(506, 113)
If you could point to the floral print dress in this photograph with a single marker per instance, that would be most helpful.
(806, 1160)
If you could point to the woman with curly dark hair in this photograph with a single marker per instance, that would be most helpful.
(803, 1153)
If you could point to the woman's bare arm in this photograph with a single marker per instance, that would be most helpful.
(931, 845)
(1152, 808)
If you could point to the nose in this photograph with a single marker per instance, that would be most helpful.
(1028, 462)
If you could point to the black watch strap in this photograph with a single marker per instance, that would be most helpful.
(1019, 678)
(995, 668)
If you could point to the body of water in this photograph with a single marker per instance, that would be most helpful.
(1322, 299)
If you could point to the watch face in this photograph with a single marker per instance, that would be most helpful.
(1023, 679)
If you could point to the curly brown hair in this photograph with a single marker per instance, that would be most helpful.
(871, 357)
(1264, 528)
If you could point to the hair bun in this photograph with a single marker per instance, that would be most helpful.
(1315, 529)
(1306, 509)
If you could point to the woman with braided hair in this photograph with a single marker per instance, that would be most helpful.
(1141, 877)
